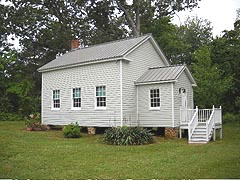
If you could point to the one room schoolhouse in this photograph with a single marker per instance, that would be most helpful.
(127, 82)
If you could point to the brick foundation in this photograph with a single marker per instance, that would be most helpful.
(171, 132)
(91, 130)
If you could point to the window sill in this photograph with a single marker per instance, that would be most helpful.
(55, 109)
(75, 108)
(101, 108)
(154, 109)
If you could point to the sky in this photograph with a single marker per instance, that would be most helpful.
(222, 14)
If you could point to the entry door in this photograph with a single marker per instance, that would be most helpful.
(184, 98)
(184, 105)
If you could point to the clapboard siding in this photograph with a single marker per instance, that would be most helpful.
(182, 81)
(141, 59)
(155, 118)
(87, 78)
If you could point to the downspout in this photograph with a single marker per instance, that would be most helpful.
(42, 101)
(137, 108)
(121, 96)
(172, 105)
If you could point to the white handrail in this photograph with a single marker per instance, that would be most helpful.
(218, 115)
(192, 124)
(186, 115)
(210, 124)
(204, 115)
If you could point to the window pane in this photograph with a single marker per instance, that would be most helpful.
(56, 103)
(155, 98)
(101, 101)
(56, 94)
(76, 92)
(103, 91)
(97, 91)
(77, 102)
(56, 98)
(101, 96)
(100, 91)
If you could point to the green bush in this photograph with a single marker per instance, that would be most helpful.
(34, 122)
(72, 131)
(10, 117)
(230, 118)
(127, 136)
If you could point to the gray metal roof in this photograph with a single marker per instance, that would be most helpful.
(161, 74)
(115, 49)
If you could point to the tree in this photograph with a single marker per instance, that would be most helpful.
(179, 43)
(166, 34)
(45, 29)
(16, 93)
(195, 33)
(105, 23)
(225, 51)
(143, 11)
(211, 85)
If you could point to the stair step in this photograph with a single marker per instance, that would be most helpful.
(200, 127)
(199, 136)
(199, 131)
(198, 139)
(197, 142)
(202, 123)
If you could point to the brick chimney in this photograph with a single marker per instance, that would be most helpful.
(74, 44)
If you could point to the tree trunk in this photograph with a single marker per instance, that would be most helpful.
(137, 17)
(135, 26)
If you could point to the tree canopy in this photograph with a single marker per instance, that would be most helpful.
(225, 51)
(45, 28)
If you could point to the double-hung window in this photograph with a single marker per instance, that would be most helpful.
(56, 99)
(76, 102)
(154, 99)
(101, 97)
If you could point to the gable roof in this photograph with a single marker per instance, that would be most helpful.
(164, 74)
(115, 50)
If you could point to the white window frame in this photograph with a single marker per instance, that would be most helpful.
(158, 107)
(95, 92)
(76, 108)
(56, 108)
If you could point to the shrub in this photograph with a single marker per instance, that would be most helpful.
(10, 117)
(127, 136)
(34, 123)
(71, 131)
(229, 118)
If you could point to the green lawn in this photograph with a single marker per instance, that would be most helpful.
(48, 155)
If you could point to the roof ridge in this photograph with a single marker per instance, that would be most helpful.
(110, 42)
(174, 65)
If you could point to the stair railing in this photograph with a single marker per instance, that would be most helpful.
(204, 115)
(193, 124)
(218, 116)
(186, 115)
(210, 124)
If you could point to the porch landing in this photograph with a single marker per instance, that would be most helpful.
(201, 124)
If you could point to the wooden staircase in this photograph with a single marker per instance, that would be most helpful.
(201, 124)
(200, 134)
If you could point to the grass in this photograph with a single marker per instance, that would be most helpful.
(48, 155)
